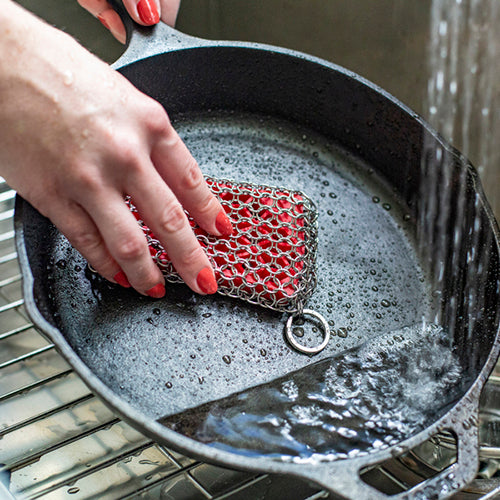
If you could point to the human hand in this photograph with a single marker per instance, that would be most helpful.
(145, 12)
(76, 137)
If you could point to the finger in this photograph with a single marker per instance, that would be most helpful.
(146, 12)
(83, 235)
(169, 10)
(107, 16)
(126, 243)
(112, 21)
(182, 174)
(95, 7)
(164, 214)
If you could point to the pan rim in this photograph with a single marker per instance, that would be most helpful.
(157, 431)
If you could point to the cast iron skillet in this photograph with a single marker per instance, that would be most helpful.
(266, 114)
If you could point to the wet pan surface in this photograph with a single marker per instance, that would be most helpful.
(185, 350)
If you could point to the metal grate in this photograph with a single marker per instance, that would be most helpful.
(57, 440)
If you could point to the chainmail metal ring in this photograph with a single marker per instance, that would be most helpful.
(302, 348)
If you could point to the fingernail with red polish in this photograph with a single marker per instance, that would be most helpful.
(121, 279)
(157, 292)
(206, 281)
(103, 21)
(148, 12)
(223, 224)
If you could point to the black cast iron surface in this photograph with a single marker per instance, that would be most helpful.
(272, 116)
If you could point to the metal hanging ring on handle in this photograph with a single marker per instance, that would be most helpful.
(302, 348)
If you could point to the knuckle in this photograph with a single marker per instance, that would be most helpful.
(127, 153)
(86, 180)
(158, 118)
(208, 205)
(190, 257)
(173, 219)
(87, 240)
(191, 178)
(171, 139)
(130, 249)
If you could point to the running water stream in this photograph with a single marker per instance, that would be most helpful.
(463, 106)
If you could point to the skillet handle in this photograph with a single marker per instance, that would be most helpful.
(146, 41)
(462, 421)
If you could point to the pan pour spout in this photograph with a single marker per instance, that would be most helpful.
(354, 404)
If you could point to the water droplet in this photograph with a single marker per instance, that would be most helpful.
(207, 315)
(73, 490)
(386, 206)
(385, 303)
(263, 352)
(168, 385)
(156, 311)
(226, 359)
(342, 332)
(298, 332)
(376, 199)
(148, 462)
(68, 78)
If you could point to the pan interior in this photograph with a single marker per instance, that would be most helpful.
(168, 356)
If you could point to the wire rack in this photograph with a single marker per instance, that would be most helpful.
(57, 440)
